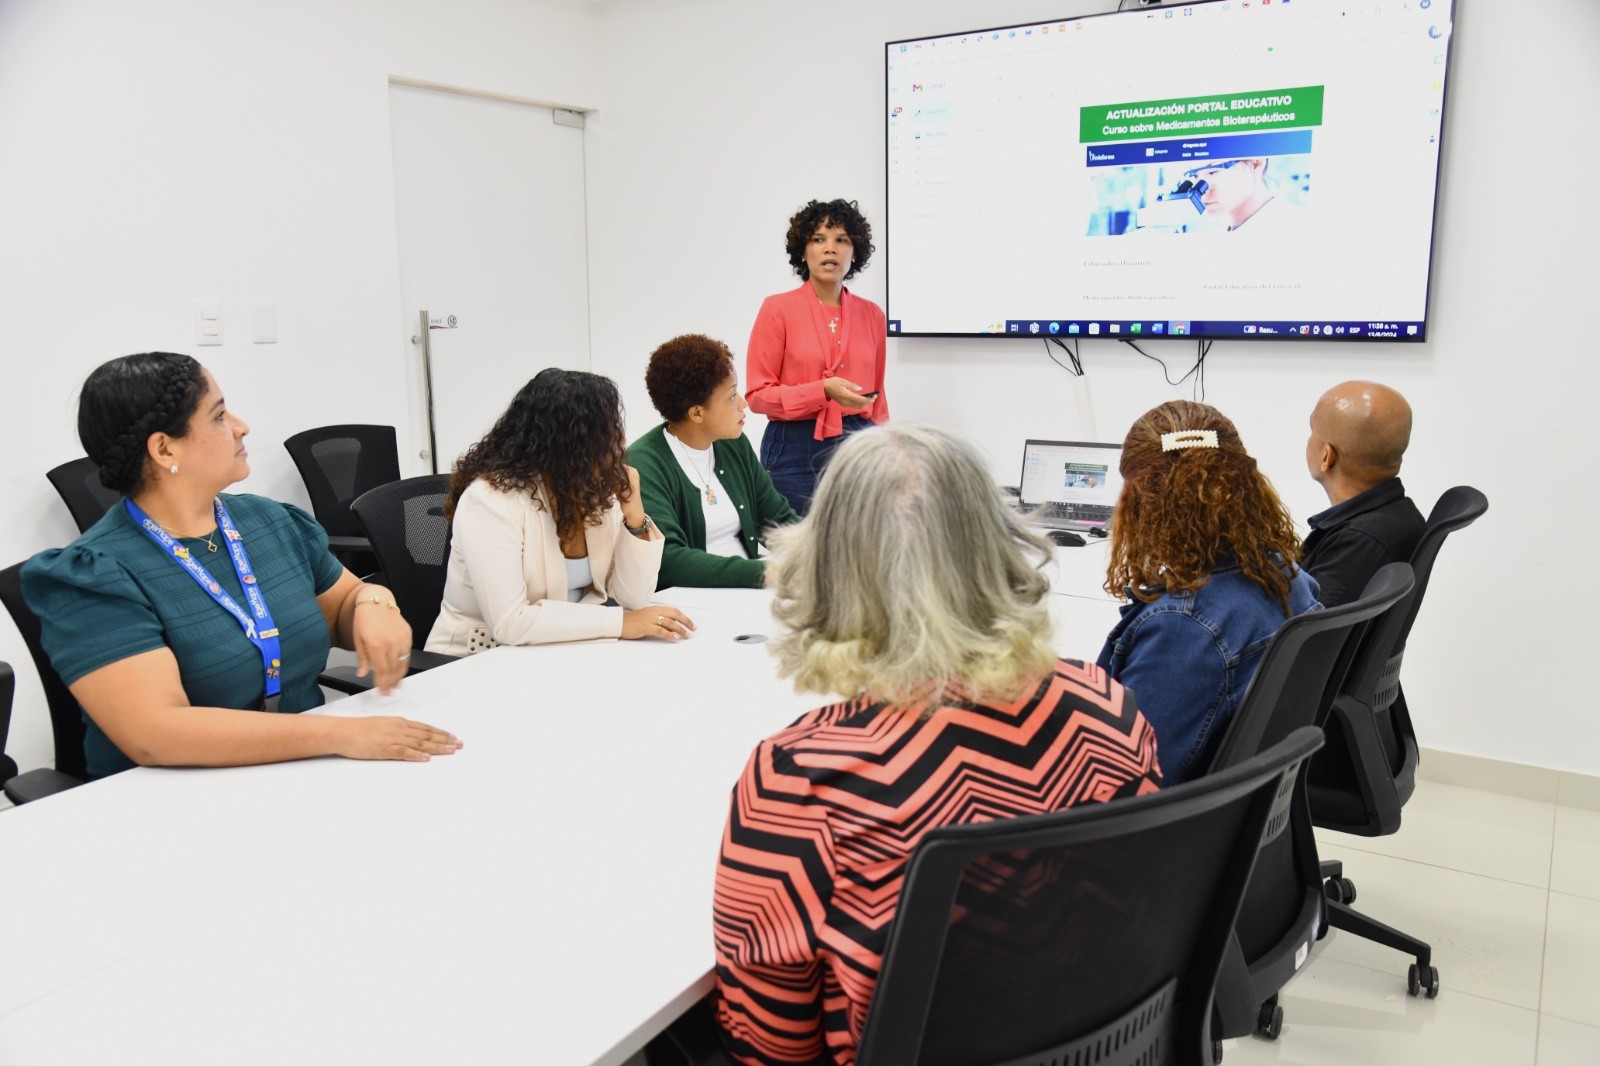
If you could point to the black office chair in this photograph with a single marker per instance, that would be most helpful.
(78, 484)
(8, 692)
(337, 464)
(405, 524)
(1088, 936)
(1299, 675)
(66, 717)
(1364, 777)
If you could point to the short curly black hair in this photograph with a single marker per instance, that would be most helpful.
(818, 213)
(562, 434)
(684, 372)
(125, 401)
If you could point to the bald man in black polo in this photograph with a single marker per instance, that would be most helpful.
(1359, 433)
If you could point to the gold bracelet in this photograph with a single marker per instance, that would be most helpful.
(393, 606)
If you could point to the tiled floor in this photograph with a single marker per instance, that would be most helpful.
(1507, 891)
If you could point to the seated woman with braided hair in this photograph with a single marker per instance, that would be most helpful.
(1205, 552)
(184, 612)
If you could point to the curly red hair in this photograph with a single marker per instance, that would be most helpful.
(1185, 513)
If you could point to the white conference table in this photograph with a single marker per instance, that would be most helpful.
(543, 896)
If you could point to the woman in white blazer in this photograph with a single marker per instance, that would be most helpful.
(548, 527)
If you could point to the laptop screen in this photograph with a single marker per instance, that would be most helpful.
(1071, 472)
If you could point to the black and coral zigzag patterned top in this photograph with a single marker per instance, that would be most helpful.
(828, 811)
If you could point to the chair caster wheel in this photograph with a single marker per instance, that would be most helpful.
(1423, 979)
(1339, 889)
(1269, 1023)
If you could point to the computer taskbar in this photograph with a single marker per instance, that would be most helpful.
(1126, 328)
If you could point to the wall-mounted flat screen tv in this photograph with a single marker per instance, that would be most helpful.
(1231, 168)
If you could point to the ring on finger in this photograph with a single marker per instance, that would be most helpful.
(661, 620)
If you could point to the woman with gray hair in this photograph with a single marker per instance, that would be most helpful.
(915, 594)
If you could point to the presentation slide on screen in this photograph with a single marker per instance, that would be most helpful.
(1061, 473)
(1216, 169)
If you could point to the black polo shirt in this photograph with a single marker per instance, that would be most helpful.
(1355, 539)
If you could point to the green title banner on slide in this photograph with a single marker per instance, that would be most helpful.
(1265, 109)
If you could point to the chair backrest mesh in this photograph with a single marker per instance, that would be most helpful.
(1303, 667)
(1294, 687)
(66, 716)
(8, 692)
(338, 458)
(78, 484)
(1091, 935)
(405, 522)
(339, 463)
(1047, 943)
(1377, 666)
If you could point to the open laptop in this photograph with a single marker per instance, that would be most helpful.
(1070, 484)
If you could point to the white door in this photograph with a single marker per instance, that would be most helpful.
(489, 203)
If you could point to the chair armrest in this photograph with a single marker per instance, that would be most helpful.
(1359, 725)
(353, 544)
(696, 1038)
(344, 679)
(37, 784)
(429, 660)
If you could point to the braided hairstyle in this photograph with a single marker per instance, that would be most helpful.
(1185, 513)
(562, 433)
(126, 400)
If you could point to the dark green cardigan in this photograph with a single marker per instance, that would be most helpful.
(674, 504)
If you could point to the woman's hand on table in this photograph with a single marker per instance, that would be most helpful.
(390, 738)
(666, 623)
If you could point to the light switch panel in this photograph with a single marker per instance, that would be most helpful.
(208, 322)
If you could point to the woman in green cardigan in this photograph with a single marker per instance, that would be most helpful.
(701, 481)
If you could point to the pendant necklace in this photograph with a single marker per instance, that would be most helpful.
(211, 545)
(705, 482)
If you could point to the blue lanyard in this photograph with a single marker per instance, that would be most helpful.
(258, 626)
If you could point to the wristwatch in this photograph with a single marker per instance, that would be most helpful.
(637, 530)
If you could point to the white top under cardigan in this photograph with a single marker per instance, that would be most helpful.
(507, 580)
(722, 518)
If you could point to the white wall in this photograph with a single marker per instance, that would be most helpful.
(182, 149)
(722, 116)
(162, 152)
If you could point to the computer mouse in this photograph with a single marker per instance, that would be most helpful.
(1066, 538)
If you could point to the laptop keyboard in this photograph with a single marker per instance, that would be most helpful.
(1065, 512)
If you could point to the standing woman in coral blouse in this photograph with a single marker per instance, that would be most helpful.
(814, 367)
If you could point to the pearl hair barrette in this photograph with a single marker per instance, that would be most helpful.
(1188, 438)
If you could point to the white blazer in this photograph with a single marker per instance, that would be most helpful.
(507, 580)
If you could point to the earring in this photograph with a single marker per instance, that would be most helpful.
(174, 468)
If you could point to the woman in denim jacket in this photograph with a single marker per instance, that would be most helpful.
(1205, 552)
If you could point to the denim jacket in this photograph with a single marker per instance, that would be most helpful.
(1189, 656)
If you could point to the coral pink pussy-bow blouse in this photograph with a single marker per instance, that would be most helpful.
(793, 349)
